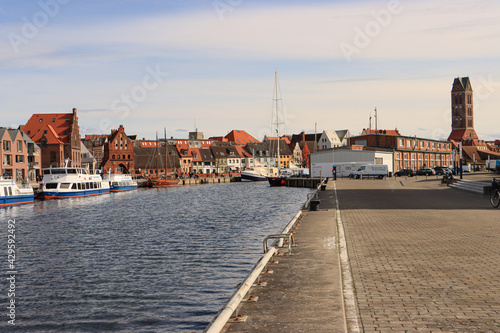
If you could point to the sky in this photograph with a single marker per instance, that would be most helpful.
(210, 64)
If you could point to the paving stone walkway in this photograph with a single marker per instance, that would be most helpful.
(424, 257)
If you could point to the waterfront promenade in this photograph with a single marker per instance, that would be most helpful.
(423, 257)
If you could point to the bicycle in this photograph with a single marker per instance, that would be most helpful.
(495, 194)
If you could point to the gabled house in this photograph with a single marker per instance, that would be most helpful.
(14, 154)
(261, 155)
(208, 161)
(221, 158)
(118, 154)
(333, 139)
(58, 136)
(34, 159)
(197, 161)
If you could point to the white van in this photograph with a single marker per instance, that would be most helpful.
(371, 170)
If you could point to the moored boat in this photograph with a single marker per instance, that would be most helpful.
(11, 194)
(253, 175)
(160, 181)
(120, 182)
(69, 182)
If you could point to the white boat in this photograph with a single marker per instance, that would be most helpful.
(253, 175)
(11, 194)
(60, 183)
(120, 182)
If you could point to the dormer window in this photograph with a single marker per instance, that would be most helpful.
(53, 120)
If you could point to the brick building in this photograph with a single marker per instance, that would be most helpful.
(14, 154)
(475, 152)
(58, 136)
(409, 151)
(118, 156)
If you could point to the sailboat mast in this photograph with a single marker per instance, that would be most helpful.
(277, 121)
(157, 155)
(166, 152)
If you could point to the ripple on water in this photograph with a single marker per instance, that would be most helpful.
(147, 260)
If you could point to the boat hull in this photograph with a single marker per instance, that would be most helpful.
(16, 200)
(158, 182)
(49, 195)
(252, 177)
(276, 181)
(123, 188)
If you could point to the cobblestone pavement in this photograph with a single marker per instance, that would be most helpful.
(424, 257)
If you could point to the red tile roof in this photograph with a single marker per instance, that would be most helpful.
(57, 124)
(240, 137)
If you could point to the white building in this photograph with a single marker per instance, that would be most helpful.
(333, 139)
(347, 160)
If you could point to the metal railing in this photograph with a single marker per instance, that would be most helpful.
(232, 305)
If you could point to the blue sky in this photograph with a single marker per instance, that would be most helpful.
(154, 64)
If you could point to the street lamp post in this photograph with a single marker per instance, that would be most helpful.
(461, 161)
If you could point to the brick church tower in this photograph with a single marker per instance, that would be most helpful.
(462, 111)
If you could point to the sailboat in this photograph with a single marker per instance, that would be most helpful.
(163, 180)
(279, 179)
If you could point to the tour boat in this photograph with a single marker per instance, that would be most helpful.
(69, 182)
(11, 194)
(120, 182)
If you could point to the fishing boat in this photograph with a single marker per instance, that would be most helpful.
(278, 179)
(70, 182)
(165, 179)
(120, 182)
(11, 194)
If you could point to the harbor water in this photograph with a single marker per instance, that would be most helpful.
(148, 260)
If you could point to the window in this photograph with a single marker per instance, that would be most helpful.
(6, 146)
(7, 159)
(45, 132)
(19, 146)
(67, 120)
(19, 158)
(51, 186)
(53, 120)
(41, 120)
(65, 132)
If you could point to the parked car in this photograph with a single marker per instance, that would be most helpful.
(426, 172)
(440, 170)
(404, 172)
